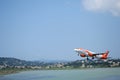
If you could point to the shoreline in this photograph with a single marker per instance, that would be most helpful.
(12, 71)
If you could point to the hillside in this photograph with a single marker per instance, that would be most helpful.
(17, 62)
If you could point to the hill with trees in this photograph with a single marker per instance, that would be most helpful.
(6, 62)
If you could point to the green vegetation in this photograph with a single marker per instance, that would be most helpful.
(11, 70)
(17, 62)
(13, 65)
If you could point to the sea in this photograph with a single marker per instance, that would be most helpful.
(74, 74)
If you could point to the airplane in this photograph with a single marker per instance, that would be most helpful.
(86, 53)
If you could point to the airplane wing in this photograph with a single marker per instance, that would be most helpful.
(99, 53)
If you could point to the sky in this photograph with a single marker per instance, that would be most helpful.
(51, 29)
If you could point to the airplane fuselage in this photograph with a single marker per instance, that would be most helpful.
(86, 53)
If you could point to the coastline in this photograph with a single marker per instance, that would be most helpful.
(12, 71)
(13, 65)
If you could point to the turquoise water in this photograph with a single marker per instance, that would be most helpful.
(77, 74)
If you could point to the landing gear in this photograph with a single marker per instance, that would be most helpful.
(87, 58)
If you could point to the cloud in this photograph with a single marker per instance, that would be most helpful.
(111, 6)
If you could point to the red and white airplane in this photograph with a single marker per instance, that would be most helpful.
(86, 53)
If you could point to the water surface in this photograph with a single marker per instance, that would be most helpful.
(77, 74)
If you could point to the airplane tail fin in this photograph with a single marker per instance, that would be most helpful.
(107, 51)
(105, 55)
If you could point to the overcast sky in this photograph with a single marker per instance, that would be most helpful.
(51, 29)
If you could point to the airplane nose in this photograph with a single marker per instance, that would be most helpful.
(75, 49)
